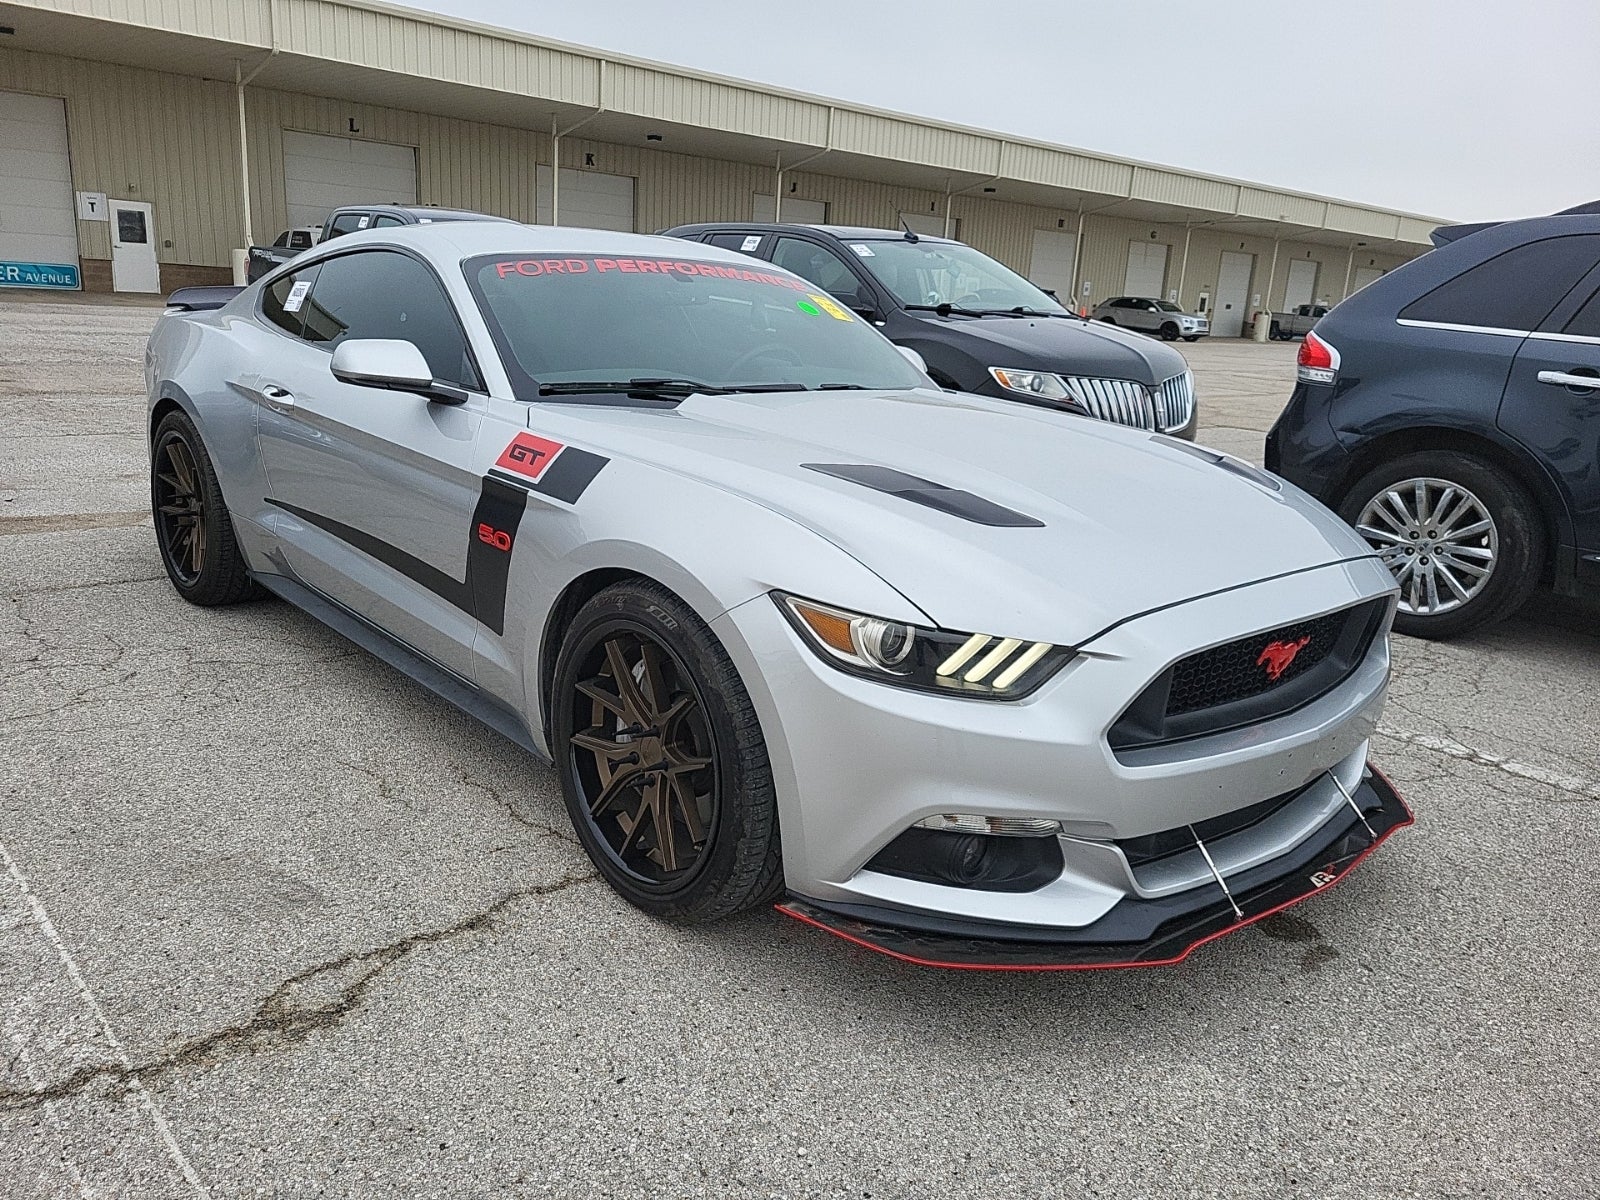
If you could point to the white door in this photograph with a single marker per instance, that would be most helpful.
(1302, 284)
(1051, 264)
(795, 210)
(1364, 276)
(38, 230)
(589, 199)
(133, 248)
(930, 224)
(1147, 270)
(1233, 294)
(322, 173)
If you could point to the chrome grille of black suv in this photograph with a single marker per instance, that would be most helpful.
(1250, 680)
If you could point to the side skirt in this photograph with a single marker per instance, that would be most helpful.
(439, 680)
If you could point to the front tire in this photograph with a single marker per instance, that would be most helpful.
(1464, 540)
(194, 530)
(661, 757)
(1169, 332)
(1193, 337)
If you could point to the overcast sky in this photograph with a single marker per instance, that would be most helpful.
(1466, 109)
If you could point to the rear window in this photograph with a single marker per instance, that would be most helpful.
(585, 318)
(1515, 289)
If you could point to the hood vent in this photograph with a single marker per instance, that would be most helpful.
(925, 492)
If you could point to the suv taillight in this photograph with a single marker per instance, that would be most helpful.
(1318, 362)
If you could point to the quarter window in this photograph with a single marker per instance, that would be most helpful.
(383, 294)
(1513, 290)
(284, 300)
(1586, 321)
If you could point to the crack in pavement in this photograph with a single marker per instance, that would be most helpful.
(288, 1015)
(1580, 789)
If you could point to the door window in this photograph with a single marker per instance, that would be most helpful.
(745, 243)
(346, 223)
(818, 264)
(283, 301)
(1514, 290)
(1586, 321)
(131, 227)
(385, 294)
(384, 221)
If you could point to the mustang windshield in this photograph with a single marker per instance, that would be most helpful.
(928, 274)
(658, 322)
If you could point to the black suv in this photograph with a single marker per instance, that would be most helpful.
(979, 326)
(1450, 411)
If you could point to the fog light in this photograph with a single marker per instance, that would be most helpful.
(998, 826)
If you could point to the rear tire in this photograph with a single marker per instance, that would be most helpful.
(1276, 333)
(662, 760)
(194, 530)
(1450, 523)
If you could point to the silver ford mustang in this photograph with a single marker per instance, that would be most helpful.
(965, 681)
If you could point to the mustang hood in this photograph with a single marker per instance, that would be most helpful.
(1065, 345)
(1096, 523)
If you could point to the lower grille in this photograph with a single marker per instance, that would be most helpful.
(1124, 402)
(1250, 680)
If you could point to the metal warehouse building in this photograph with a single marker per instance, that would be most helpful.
(143, 141)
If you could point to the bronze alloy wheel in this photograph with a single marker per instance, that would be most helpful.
(180, 507)
(644, 758)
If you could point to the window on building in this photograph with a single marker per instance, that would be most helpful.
(384, 294)
(1513, 290)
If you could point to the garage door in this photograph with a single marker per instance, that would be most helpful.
(1147, 270)
(1233, 294)
(589, 199)
(38, 229)
(795, 210)
(320, 173)
(1302, 284)
(1364, 276)
(1052, 262)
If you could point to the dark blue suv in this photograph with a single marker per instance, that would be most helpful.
(1450, 411)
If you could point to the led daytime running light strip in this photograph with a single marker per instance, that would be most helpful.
(976, 644)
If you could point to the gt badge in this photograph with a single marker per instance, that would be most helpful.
(528, 456)
(1277, 656)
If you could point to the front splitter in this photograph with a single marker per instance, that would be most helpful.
(1136, 932)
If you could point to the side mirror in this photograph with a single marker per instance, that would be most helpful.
(391, 365)
(912, 357)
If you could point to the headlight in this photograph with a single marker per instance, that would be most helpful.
(1031, 383)
(979, 666)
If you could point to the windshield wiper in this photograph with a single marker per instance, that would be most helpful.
(944, 310)
(843, 387)
(658, 387)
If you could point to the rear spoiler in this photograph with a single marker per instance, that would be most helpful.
(201, 299)
(1454, 233)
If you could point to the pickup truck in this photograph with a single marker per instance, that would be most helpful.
(349, 219)
(1286, 326)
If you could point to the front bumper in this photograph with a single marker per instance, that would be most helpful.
(1139, 931)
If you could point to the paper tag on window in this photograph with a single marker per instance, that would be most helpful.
(862, 250)
(828, 305)
(297, 295)
(750, 243)
(362, 224)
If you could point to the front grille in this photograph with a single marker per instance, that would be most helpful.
(1237, 671)
(1120, 401)
(1147, 848)
(1124, 402)
(1175, 402)
(1250, 680)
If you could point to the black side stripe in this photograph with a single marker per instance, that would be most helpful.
(482, 594)
(565, 479)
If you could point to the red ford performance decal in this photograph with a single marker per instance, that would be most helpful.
(528, 456)
(534, 267)
(1278, 655)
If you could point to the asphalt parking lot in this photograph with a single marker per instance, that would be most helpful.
(276, 922)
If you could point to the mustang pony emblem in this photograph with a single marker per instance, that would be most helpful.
(1277, 656)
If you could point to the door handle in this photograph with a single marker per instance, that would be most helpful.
(280, 397)
(1586, 383)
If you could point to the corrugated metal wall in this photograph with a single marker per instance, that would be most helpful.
(172, 140)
